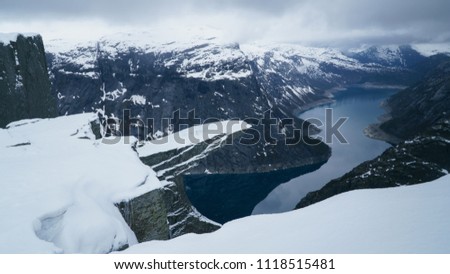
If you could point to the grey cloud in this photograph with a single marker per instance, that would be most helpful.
(315, 22)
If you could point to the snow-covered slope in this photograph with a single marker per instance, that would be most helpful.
(204, 58)
(392, 56)
(411, 219)
(109, 71)
(191, 136)
(59, 185)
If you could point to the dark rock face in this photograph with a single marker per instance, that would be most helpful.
(24, 82)
(167, 213)
(182, 216)
(163, 214)
(147, 216)
(415, 108)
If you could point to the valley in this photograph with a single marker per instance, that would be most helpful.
(67, 105)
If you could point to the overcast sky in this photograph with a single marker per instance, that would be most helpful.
(309, 22)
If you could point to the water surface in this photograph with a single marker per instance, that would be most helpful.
(227, 197)
(362, 107)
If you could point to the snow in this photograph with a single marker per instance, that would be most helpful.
(412, 219)
(431, 49)
(307, 59)
(193, 56)
(137, 99)
(387, 53)
(59, 186)
(208, 57)
(191, 136)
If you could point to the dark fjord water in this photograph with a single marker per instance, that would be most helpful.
(226, 197)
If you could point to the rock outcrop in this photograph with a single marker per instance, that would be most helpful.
(24, 83)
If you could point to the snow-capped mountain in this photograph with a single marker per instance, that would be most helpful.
(392, 56)
(289, 75)
(154, 79)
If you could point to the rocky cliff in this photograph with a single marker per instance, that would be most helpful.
(414, 109)
(24, 82)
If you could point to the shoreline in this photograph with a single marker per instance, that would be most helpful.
(378, 86)
(329, 97)
(374, 131)
(312, 105)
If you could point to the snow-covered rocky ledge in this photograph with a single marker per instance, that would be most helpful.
(412, 219)
(60, 187)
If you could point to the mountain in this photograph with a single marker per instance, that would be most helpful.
(24, 83)
(154, 77)
(414, 109)
(155, 80)
(391, 56)
(134, 70)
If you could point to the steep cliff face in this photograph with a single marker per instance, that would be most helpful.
(24, 82)
(164, 213)
(414, 109)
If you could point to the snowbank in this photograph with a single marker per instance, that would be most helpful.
(59, 186)
(411, 219)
